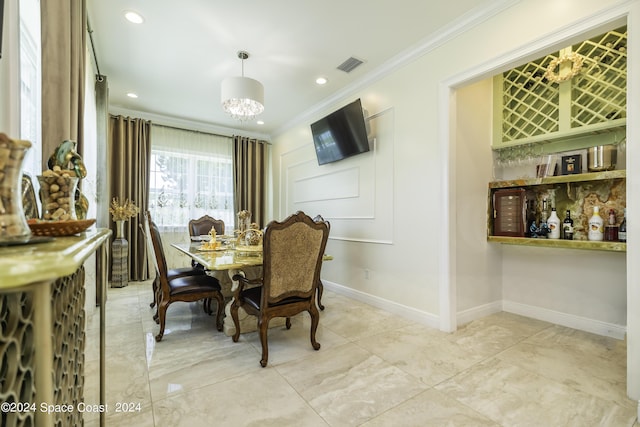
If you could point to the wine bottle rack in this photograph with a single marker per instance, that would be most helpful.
(530, 108)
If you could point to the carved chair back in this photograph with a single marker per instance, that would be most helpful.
(292, 258)
(202, 226)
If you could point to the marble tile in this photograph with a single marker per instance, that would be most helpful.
(347, 385)
(122, 310)
(127, 376)
(512, 396)
(185, 368)
(492, 334)
(126, 381)
(431, 409)
(355, 320)
(142, 418)
(427, 354)
(255, 399)
(286, 345)
(586, 362)
(373, 369)
(181, 318)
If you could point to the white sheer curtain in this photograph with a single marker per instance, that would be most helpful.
(191, 175)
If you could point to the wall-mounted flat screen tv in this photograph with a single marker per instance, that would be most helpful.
(341, 134)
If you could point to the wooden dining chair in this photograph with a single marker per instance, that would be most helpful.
(292, 258)
(202, 226)
(171, 273)
(319, 218)
(184, 288)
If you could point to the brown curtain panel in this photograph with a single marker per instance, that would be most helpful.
(249, 156)
(64, 24)
(130, 153)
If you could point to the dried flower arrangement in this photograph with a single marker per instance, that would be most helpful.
(124, 211)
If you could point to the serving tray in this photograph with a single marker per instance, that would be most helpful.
(59, 228)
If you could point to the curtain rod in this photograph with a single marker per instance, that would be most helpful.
(93, 48)
(189, 130)
(261, 141)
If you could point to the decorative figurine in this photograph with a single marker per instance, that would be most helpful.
(66, 157)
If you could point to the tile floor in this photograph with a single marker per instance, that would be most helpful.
(374, 369)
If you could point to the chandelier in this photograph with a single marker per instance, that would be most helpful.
(242, 98)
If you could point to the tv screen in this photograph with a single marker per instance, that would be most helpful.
(341, 134)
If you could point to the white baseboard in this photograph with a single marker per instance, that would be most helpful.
(478, 312)
(401, 310)
(428, 319)
(569, 320)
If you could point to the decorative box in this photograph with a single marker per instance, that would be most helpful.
(571, 164)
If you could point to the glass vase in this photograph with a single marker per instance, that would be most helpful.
(13, 224)
(243, 221)
(58, 195)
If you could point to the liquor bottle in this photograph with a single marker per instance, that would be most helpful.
(544, 227)
(611, 229)
(531, 218)
(554, 225)
(596, 228)
(622, 231)
(567, 227)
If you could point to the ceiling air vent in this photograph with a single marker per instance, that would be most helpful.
(350, 64)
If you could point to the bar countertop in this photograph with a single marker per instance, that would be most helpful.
(30, 263)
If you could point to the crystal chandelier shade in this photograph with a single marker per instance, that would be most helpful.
(242, 97)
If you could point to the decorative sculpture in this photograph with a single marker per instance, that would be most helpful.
(66, 157)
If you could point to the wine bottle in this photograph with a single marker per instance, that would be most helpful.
(622, 231)
(554, 225)
(567, 227)
(544, 227)
(611, 229)
(596, 226)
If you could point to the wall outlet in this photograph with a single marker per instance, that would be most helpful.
(366, 274)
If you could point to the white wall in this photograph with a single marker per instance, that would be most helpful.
(396, 247)
(478, 273)
(577, 283)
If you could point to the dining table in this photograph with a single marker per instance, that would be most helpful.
(232, 259)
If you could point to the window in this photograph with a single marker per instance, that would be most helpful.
(191, 175)
(30, 92)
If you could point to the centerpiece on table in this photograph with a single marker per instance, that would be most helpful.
(120, 213)
(213, 243)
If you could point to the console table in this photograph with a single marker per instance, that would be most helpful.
(42, 340)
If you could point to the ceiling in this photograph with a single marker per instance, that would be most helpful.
(176, 60)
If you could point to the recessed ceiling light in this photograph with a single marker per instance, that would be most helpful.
(134, 17)
(260, 122)
(322, 80)
(132, 95)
